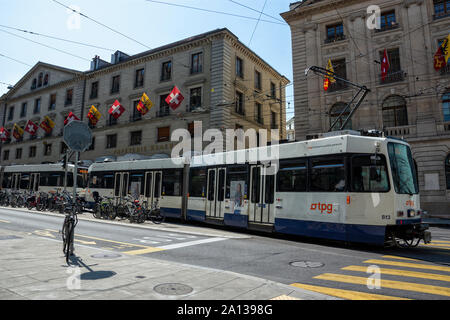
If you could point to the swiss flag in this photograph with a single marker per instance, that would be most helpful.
(4, 134)
(31, 128)
(175, 98)
(384, 65)
(116, 110)
(71, 117)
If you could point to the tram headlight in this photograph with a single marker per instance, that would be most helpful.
(411, 213)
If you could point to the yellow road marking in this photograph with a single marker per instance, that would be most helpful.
(143, 251)
(4, 221)
(85, 242)
(400, 258)
(399, 285)
(403, 273)
(284, 297)
(408, 265)
(44, 233)
(113, 241)
(346, 294)
(442, 241)
(436, 245)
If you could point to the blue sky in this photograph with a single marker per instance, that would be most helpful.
(152, 24)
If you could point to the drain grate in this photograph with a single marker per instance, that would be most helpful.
(173, 289)
(106, 256)
(307, 264)
(9, 237)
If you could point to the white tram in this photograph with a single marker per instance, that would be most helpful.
(344, 187)
(41, 177)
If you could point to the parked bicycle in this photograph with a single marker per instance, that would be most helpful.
(154, 214)
(104, 208)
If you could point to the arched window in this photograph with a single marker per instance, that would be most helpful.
(335, 111)
(33, 85)
(446, 106)
(447, 171)
(41, 75)
(394, 112)
(46, 79)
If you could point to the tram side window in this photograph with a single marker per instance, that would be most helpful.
(136, 185)
(369, 174)
(6, 181)
(171, 184)
(43, 179)
(100, 181)
(24, 181)
(53, 180)
(197, 183)
(292, 176)
(328, 175)
(237, 176)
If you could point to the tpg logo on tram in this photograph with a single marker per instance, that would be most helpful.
(323, 207)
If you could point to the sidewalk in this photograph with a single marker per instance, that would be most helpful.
(34, 268)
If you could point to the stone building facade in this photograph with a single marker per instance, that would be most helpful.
(225, 86)
(412, 102)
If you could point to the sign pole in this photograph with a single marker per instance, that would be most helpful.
(75, 176)
(65, 171)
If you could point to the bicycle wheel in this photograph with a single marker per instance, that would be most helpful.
(111, 213)
(157, 217)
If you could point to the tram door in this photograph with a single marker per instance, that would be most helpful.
(215, 205)
(121, 185)
(153, 184)
(16, 181)
(34, 182)
(262, 196)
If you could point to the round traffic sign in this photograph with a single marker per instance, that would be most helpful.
(77, 136)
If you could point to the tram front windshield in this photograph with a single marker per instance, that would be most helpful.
(403, 169)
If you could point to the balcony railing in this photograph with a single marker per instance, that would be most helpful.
(135, 117)
(388, 27)
(163, 113)
(391, 77)
(337, 86)
(111, 122)
(401, 131)
(441, 15)
(335, 39)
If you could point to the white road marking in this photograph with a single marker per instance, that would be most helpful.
(191, 243)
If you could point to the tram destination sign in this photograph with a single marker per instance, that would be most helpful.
(77, 136)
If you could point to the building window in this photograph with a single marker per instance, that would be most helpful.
(11, 113)
(273, 90)
(94, 90)
(258, 114)
(197, 63)
(136, 115)
(139, 78)
(274, 123)
(340, 69)
(239, 68)
(163, 134)
(34, 84)
(111, 120)
(395, 112)
(240, 103)
(388, 21)
(441, 8)
(32, 152)
(23, 111)
(69, 97)
(191, 129)
(447, 170)
(47, 149)
(395, 72)
(335, 111)
(19, 153)
(446, 107)
(115, 85)
(257, 80)
(37, 106)
(335, 33)
(111, 141)
(136, 138)
(40, 78)
(166, 71)
(52, 102)
(163, 107)
(63, 148)
(46, 80)
(5, 155)
(196, 98)
(92, 146)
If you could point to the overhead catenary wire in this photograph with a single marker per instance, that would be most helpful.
(57, 38)
(18, 61)
(250, 8)
(257, 22)
(214, 11)
(100, 23)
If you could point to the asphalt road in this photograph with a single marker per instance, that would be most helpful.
(332, 268)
